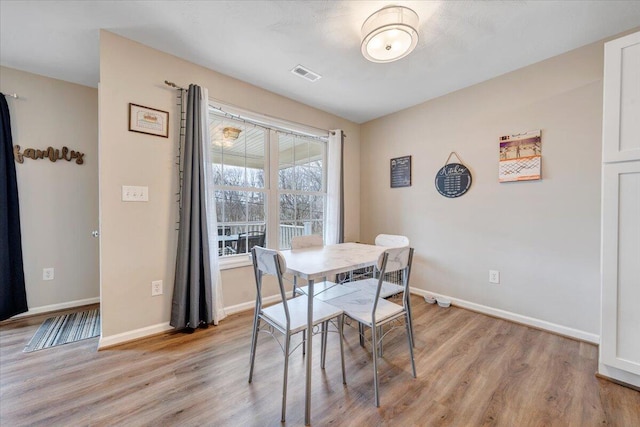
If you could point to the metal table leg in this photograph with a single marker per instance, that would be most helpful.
(307, 405)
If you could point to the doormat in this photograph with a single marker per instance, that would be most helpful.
(65, 329)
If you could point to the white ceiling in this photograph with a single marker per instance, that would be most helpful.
(461, 42)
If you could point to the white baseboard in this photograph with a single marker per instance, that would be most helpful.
(517, 318)
(250, 305)
(164, 327)
(239, 307)
(133, 335)
(627, 378)
(55, 307)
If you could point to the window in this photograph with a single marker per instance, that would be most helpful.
(247, 159)
(301, 185)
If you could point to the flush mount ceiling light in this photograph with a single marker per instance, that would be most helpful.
(231, 133)
(389, 34)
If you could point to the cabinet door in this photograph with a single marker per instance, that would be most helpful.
(620, 337)
(621, 122)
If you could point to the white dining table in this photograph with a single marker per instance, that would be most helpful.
(316, 263)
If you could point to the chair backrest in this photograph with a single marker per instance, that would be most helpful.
(269, 261)
(392, 240)
(394, 259)
(308, 241)
(397, 259)
(246, 241)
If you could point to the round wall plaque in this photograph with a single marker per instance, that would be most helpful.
(453, 180)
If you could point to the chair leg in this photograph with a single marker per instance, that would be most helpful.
(340, 324)
(286, 371)
(361, 333)
(254, 343)
(410, 320)
(374, 353)
(381, 340)
(323, 343)
(410, 338)
(304, 340)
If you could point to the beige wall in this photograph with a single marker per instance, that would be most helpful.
(138, 240)
(543, 236)
(58, 201)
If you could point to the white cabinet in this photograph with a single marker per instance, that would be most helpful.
(620, 331)
(621, 109)
(620, 339)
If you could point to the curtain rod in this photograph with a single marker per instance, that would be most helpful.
(268, 126)
(172, 84)
(237, 117)
(11, 95)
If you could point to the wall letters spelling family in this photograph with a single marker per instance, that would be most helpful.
(52, 153)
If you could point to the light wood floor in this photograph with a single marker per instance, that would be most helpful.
(473, 370)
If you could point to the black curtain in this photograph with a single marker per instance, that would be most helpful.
(192, 293)
(13, 296)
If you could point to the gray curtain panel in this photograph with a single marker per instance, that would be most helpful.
(13, 296)
(192, 302)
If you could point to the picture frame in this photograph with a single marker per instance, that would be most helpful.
(400, 172)
(148, 120)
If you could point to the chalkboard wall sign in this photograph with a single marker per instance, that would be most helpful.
(401, 172)
(453, 179)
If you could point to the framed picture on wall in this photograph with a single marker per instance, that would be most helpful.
(400, 172)
(520, 157)
(148, 120)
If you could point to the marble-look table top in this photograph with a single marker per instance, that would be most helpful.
(324, 261)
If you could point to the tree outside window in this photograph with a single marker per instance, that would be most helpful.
(241, 179)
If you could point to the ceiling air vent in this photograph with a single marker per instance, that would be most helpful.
(305, 73)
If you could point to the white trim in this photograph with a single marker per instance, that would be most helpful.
(56, 307)
(164, 327)
(619, 375)
(333, 174)
(137, 334)
(133, 335)
(251, 304)
(517, 318)
(227, 263)
(266, 121)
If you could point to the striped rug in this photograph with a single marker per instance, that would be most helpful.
(65, 329)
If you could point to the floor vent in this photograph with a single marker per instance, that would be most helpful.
(306, 73)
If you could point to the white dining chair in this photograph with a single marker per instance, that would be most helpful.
(395, 241)
(390, 287)
(374, 312)
(287, 317)
(392, 240)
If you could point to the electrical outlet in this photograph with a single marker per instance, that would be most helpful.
(48, 273)
(156, 288)
(132, 193)
(494, 276)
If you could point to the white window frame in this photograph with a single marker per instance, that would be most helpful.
(272, 191)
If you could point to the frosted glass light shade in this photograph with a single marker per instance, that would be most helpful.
(389, 34)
